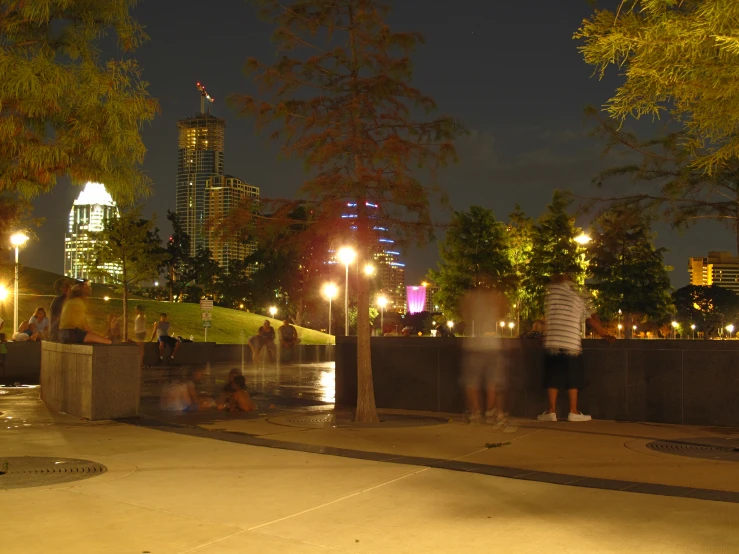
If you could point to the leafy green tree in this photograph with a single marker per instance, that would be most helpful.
(178, 256)
(127, 252)
(475, 254)
(520, 232)
(679, 58)
(234, 289)
(65, 109)
(340, 99)
(708, 308)
(201, 276)
(554, 251)
(667, 181)
(627, 272)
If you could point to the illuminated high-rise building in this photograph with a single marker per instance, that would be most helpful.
(92, 209)
(199, 157)
(223, 194)
(718, 268)
(390, 271)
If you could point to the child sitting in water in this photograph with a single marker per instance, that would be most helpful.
(239, 399)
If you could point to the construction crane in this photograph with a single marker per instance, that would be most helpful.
(203, 97)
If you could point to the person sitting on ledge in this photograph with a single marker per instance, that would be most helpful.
(26, 332)
(73, 325)
(265, 338)
(288, 340)
(161, 332)
(40, 322)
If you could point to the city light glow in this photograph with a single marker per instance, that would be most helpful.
(18, 239)
(450, 324)
(272, 311)
(4, 293)
(346, 255)
(369, 270)
(382, 301)
(330, 290)
(583, 239)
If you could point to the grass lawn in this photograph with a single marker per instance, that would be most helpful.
(37, 290)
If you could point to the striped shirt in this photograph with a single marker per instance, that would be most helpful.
(565, 311)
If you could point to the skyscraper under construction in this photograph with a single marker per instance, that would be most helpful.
(199, 158)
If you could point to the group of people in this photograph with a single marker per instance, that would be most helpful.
(485, 368)
(191, 394)
(265, 340)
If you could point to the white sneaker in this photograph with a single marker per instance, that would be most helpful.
(547, 416)
(578, 417)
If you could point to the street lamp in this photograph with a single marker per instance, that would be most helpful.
(730, 329)
(450, 324)
(17, 240)
(382, 302)
(3, 293)
(582, 239)
(329, 291)
(369, 270)
(633, 328)
(272, 311)
(675, 325)
(346, 255)
(619, 326)
(511, 325)
(692, 326)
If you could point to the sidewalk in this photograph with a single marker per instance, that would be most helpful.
(177, 492)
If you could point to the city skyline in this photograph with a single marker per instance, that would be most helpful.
(524, 111)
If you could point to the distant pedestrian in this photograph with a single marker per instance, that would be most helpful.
(62, 287)
(73, 325)
(566, 309)
(160, 330)
(288, 340)
(139, 324)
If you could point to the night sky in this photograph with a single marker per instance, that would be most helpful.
(509, 71)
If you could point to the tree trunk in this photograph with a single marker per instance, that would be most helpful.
(366, 407)
(125, 310)
(171, 283)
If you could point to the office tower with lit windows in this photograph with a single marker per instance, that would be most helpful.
(718, 268)
(92, 209)
(389, 270)
(199, 158)
(223, 194)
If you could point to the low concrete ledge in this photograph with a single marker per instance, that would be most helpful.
(93, 382)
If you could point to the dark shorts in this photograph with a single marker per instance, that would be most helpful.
(564, 371)
(72, 336)
(168, 341)
(484, 368)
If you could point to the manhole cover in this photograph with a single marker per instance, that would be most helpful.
(724, 449)
(344, 420)
(27, 471)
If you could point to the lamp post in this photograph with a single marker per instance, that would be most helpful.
(450, 324)
(17, 240)
(633, 331)
(329, 291)
(272, 311)
(619, 327)
(730, 329)
(369, 270)
(511, 325)
(346, 255)
(692, 326)
(674, 329)
(382, 302)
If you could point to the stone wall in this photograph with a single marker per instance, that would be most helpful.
(23, 363)
(661, 381)
(92, 382)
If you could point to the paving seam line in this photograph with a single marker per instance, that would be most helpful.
(440, 463)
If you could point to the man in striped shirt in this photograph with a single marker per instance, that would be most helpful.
(566, 309)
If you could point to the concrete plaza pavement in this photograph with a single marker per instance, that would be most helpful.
(174, 492)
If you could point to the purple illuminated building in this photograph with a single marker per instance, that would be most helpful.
(416, 299)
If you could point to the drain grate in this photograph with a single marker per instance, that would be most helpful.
(723, 449)
(344, 421)
(29, 471)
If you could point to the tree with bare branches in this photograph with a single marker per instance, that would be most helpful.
(338, 97)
